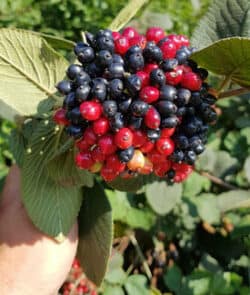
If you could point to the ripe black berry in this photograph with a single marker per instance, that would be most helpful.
(73, 71)
(169, 122)
(126, 155)
(116, 88)
(115, 70)
(110, 108)
(86, 55)
(152, 53)
(139, 108)
(105, 43)
(64, 87)
(104, 57)
(166, 108)
(169, 64)
(135, 62)
(117, 121)
(168, 92)
(153, 134)
(69, 101)
(157, 77)
(82, 92)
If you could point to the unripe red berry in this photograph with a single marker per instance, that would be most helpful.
(138, 40)
(107, 144)
(156, 157)
(150, 67)
(168, 49)
(101, 126)
(89, 136)
(147, 147)
(155, 34)
(84, 160)
(97, 155)
(160, 169)
(130, 32)
(167, 132)
(60, 117)
(149, 94)
(116, 35)
(147, 168)
(91, 110)
(124, 138)
(144, 77)
(165, 146)
(174, 77)
(191, 81)
(114, 163)
(176, 39)
(152, 118)
(139, 138)
(121, 45)
(82, 145)
(108, 174)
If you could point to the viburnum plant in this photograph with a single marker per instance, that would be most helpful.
(132, 113)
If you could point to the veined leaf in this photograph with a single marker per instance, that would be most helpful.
(95, 233)
(53, 208)
(29, 70)
(225, 18)
(228, 57)
(126, 14)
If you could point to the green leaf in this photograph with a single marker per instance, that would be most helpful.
(173, 278)
(228, 57)
(127, 185)
(136, 285)
(242, 228)
(224, 18)
(198, 283)
(52, 208)
(126, 14)
(207, 208)
(62, 170)
(195, 184)
(56, 42)
(116, 276)
(163, 197)
(233, 200)
(28, 67)
(17, 146)
(113, 290)
(209, 263)
(124, 212)
(95, 233)
(225, 283)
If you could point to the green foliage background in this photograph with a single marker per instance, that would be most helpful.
(212, 258)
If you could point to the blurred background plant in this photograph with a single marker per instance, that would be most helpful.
(196, 239)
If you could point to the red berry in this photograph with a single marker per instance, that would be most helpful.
(149, 94)
(138, 40)
(147, 147)
(152, 118)
(121, 45)
(160, 169)
(155, 157)
(97, 155)
(144, 77)
(107, 144)
(130, 32)
(60, 117)
(116, 35)
(91, 110)
(186, 68)
(165, 146)
(84, 160)
(191, 81)
(114, 163)
(167, 132)
(139, 138)
(155, 34)
(108, 174)
(174, 77)
(101, 126)
(89, 136)
(184, 40)
(176, 39)
(124, 138)
(150, 67)
(168, 49)
(82, 144)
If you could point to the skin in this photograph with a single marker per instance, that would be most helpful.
(30, 262)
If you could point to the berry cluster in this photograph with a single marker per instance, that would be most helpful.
(136, 104)
(84, 287)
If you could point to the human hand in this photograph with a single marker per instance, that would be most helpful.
(30, 262)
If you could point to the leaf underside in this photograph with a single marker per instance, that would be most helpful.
(52, 208)
(29, 70)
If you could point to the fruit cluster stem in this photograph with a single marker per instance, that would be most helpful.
(234, 92)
